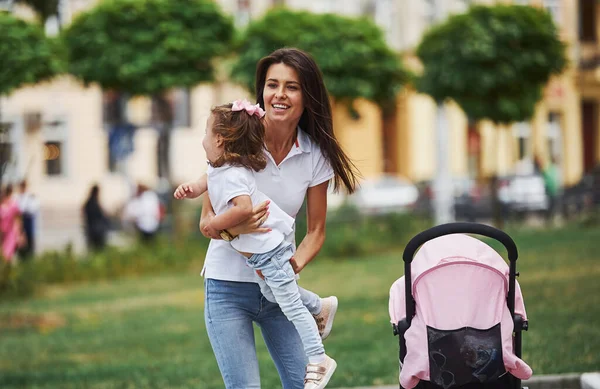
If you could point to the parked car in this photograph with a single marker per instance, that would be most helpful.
(384, 194)
(584, 195)
(517, 194)
(471, 200)
(523, 193)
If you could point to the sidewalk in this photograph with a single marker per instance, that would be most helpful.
(559, 381)
(59, 228)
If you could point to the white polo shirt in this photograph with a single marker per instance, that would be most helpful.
(228, 182)
(286, 185)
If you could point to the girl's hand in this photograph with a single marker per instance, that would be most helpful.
(206, 230)
(260, 213)
(183, 191)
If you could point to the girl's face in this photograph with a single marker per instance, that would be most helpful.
(212, 143)
(282, 94)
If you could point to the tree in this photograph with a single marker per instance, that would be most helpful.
(352, 54)
(493, 61)
(147, 47)
(28, 57)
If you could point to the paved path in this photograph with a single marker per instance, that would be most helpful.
(559, 381)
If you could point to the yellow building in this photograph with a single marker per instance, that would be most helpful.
(60, 134)
(479, 150)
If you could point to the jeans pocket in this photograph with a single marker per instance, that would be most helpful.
(283, 256)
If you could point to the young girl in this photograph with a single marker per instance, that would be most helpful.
(234, 145)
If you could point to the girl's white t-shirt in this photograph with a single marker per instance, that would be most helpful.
(285, 184)
(228, 182)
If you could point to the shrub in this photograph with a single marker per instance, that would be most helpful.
(349, 234)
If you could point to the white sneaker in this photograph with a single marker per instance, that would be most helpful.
(325, 318)
(318, 374)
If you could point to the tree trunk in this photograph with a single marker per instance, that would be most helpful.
(497, 207)
(163, 118)
(390, 140)
(163, 122)
(442, 186)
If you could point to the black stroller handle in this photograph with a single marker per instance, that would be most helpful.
(460, 228)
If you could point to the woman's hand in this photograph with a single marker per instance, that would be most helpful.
(296, 266)
(260, 213)
(207, 215)
(206, 229)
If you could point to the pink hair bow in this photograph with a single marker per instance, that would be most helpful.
(240, 105)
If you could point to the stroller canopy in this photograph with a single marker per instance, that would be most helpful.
(458, 283)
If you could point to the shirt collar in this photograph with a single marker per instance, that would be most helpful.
(302, 141)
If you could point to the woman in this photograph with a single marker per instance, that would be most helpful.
(96, 222)
(10, 224)
(302, 156)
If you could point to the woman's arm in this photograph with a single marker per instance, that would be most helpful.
(239, 212)
(207, 214)
(316, 214)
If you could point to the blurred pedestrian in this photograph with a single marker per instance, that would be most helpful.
(96, 221)
(10, 224)
(144, 210)
(552, 184)
(29, 206)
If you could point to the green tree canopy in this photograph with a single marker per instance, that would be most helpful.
(144, 47)
(493, 61)
(352, 53)
(26, 55)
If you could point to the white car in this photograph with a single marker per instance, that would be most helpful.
(524, 193)
(384, 194)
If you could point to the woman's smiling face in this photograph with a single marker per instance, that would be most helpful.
(282, 94)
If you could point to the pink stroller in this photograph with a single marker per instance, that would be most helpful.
(459, 311)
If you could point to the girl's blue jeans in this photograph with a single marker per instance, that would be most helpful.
(279, 285)
(229, 311)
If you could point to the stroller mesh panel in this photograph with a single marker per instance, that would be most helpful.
(457, 357)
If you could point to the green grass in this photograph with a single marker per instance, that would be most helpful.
(149, 332)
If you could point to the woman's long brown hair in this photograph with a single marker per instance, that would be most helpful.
(316, 120)
(243, 138)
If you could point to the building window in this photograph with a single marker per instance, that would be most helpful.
(55, 135)
(54, 157)
(120, 145)
(181, 102)
(113, 108)
(587, 20)
(522, 132)
(9, 146)
(554, 133)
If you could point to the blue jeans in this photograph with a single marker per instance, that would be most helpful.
(229, 310)
(281, 280)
